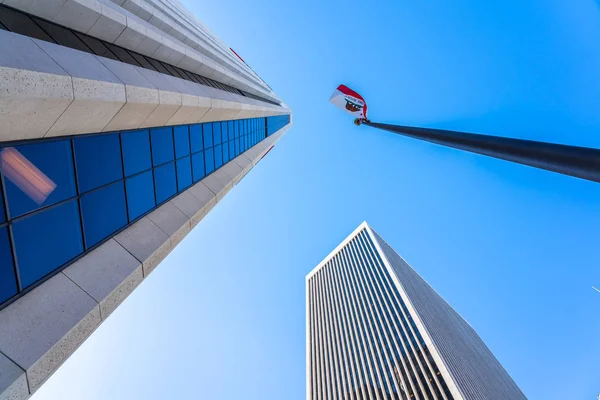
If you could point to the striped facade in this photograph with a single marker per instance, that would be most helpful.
(377, 330)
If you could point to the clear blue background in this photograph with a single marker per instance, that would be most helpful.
(515, 250)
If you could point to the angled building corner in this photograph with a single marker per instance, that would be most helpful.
(377, 330)
(124, 123)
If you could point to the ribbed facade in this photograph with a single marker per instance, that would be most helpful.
(366, 338)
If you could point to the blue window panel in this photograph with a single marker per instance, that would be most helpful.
(47, 240)
(136, 151)
(218, 156)
(182, 141)
(198, 166)
(217, 133)
(225, 152)
(237, 147)
(162, 145)
(230, 129)
(232, 154)
(209, 160)
(225, 131)
(208, 135)
(236, 129)
(140, 194)
(196, 138)
(8, 281)
(98, 224)
(184, 173)
(165, 181)
(25, 192)
(98, 161)
(2, 216)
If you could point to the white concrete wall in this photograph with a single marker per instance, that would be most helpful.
(50, 90)
(139, 26)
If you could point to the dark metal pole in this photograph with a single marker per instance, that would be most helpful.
(581, 162)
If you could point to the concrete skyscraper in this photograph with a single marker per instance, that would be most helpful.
(122, 123)
(377, 330)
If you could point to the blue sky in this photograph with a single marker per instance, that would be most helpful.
(513, 249)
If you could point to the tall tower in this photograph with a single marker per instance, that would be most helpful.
(376, 330)
(122, 124)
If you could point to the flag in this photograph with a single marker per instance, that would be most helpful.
(349, 101)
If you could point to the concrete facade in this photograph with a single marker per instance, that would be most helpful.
(377, 330)
(48, 90)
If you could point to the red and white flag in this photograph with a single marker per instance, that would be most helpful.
(349, 101)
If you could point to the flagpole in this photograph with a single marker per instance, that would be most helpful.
(580, 162)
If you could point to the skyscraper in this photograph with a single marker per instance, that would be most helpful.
(376, 330)
(122, 123)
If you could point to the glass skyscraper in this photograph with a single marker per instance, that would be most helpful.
(376, 330)
(123, 122)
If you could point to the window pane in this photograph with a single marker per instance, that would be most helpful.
(209, 159)
(225, 152)
(162, 145)
(184, 173)
(62, 36)
(97, 222)
(20, 23)
(2, 215)
(97, 46)
(231, 149)
(8, 282)
(158, 66)
(224, 131)
(230, 129)
(165, 182)
(37, 175)
(143, 61)
(216, 132)
(182, 141)
(98, 160)
(196, 137)
(47, 240)
(218, 156)
(236, 128)
(208, 135)
(198, 166)
(140, 194)
(136, 151)
(237, 147)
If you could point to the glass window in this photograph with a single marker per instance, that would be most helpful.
(209, 161)
(97, 222)
(63, 36)
(47, 240)
(224, 131)
(230, 129)
(225, 152)
(136, 151)
(218, 156)
(2, 216)
(158, 66)
(37, 175)
(162, 145)
(216, 133)
(198, 166)
(184, 173)
(8, 282)
(20, 23)
(196, 137)
(208, 134)
(98, 160)
(97, 46)
(182, 141)
(236, 129)
(165, 181)
(143, 61)
(140, 194)
(237, 146)
(231, 149)
(123, 54)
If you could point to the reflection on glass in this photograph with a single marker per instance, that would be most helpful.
(26, 176)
